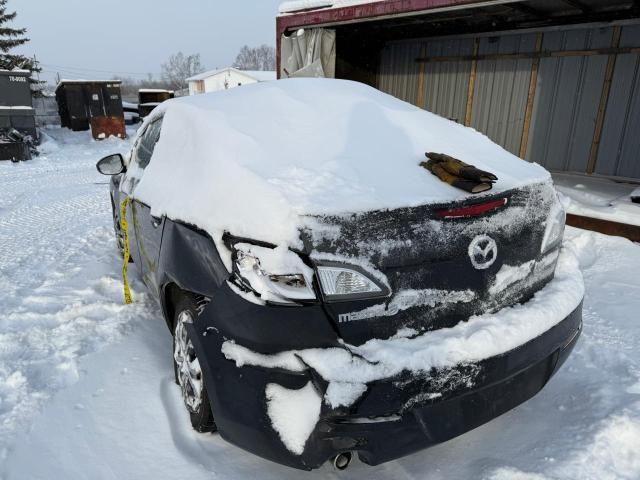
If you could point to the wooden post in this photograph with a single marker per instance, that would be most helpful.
(533, 82)
(604, 99)
(472, 84)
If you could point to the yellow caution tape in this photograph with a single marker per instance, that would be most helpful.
(124, 226)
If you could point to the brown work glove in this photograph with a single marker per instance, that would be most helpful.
(465, 184)
(460, 169)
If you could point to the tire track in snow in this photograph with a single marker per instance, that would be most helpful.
(60, 286)
(34, 229)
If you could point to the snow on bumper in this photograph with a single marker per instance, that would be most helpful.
(349, 369)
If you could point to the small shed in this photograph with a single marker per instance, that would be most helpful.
(95, 104)
(16, 108)
(150, 98)
(225, 78)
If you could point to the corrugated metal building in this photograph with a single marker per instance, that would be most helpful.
(553, 81)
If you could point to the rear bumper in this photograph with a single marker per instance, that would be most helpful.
(503, 383)
(396, 416)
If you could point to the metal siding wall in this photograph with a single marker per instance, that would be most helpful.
(399, 70)
(567, 99)
(446, 83)
(501, 89)
(567, 96)
(619, 152)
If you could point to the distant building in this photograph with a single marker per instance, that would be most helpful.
(95, 104)
(226, 78)
(150, 98)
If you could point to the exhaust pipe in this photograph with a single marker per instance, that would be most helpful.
(342, 461)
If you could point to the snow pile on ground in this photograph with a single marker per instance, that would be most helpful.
(349, 369)
(60, 285)
(598, 198)
(612, 454)
(273, 151)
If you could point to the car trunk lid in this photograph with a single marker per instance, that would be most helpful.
(442, 262)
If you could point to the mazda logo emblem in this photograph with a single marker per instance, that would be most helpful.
(483, 252)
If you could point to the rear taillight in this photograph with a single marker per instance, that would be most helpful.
(472, 210)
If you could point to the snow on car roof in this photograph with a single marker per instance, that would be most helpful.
(252, 160)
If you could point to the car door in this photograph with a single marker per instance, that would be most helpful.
(147, 229)
(126, 185)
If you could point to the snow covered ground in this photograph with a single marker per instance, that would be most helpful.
(86, 386)
(599, 198)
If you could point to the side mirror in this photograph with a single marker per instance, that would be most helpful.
(111, 165)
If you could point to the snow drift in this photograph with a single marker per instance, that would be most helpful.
(252, 160)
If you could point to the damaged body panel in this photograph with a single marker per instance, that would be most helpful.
(417, 410)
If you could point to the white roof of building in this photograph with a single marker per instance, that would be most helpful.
(259, 75)
(155, 90)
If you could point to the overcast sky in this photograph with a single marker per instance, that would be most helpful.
(97, 39)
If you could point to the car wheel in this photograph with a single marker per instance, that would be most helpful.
(187, 369)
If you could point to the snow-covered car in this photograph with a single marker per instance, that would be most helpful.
(327, 294)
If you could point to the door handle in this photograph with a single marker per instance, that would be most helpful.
(156, 221)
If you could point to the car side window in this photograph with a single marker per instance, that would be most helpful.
(147, 143)
(141, 156)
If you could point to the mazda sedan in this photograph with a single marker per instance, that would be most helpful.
(330, 290)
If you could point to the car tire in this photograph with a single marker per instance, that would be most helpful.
(187, 371)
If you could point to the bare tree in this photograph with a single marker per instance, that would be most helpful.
(179, 67)
(256, 58)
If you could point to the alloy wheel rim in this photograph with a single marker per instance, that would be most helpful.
(189, 371)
